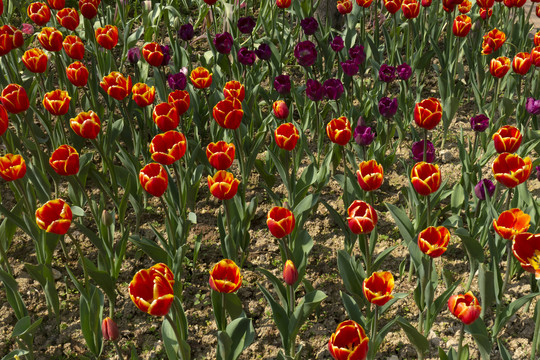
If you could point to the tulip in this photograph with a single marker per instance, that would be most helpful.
(362, 217)
(357, 54)
(286, 136)
(537, 39)
(151, 291)
(225, 277)
(378, 287)
(109, 329)
(511, 170)
(180, 100)
(462, 26)
(410, 8)
(50, 39)
(228, 113)
(465, 7)
(65, 160)
(485, 13)
(57, 102)
(86, 125)
(186, 32)
(143, 95)
(337, 43)
(290, 273)
(404, 71)
(281, 111)
(499, 67)
(14, 99)
(6, 43)
(526, 248)
(344, 6)
(246, 24)
(280, 221)
(246, 57)
(201, 78)
(165, 116)
(57, 4)
(116, 85)
(223, 185)
(309, 25)
(223, 43)
(339, 130)
(305, 53)
(433, 241)
(465, 307)
(168, 147)
(154, 179)
(533, 106)
(54, 217)
(314, 90)
(134, 55)
(283, 4)
(511, 223)
(486, 4)
(234, 89)
(333, 88)
(388, 107)
(507, 139)
(370, 175)
(493, 40)
(220, 155)
(4, 120)
(426, 3)
(425, 178)
(11, 38)
(350, 67)
(152, 54)
(35, 60)
(107, 36)
(417, 150)
(479, 123)
(74, 47)
(210, 2)
(77, 74)
(282, 84)
(348, 342)
(264, 52)
(387, 73)
(392, 6)
(535, 56)
(428, 113)
(479, 189)
(522, 63)
(363, 135)
(12, 167)
(89, 8)
(364, 3)
(68, 18)
(39, 13)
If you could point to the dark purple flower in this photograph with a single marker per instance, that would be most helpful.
(337, 44)
(538, 172)
(246, 56)
(350, 67)
(264, 52)
(480, 191)
(333, 88)
(387, 73)
(246, 24)
(388, 107)
(309, 25)
(134, 55)
(418, 151)
(404, 71)
(314, 90)
(363, 135)
(305, 53)
(223, 43)
(358, 54)
(479, 123)
(282, 84)
(177, 81)
(533, 106)
(186, 32)
(166, 50)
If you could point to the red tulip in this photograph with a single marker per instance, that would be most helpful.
(348, 342)
(54, 217)
(220, 155)
(362, 217)
(280, 221)
(225, 277)
(286, 136)
(485, 13)
(180, 99)
(165, 117)
(425, 178)
(507, 139)
(168, 147)
(14, 99)
(410, 8)
(116, 85)
(511, 222)
(281, 111)
(65, 160)
(339, 131)
(39, 13)
(499, 67)
(143, 95)
(223, 185)
(201, 78)
(77, 74)
(344, 6)
(234, 89)
(68, 18)
(526, 248)
(86, 125)
(485, 4)
(153, 54)
(283, 4)
(370, 175)
(462, 26)
(109, 329)
(465, 7)
(493, 40)
(392, 6)
(12, 167)
(290, 273)
(151, 291)
(6, 42)
(89, 8)
(364, 3)
(50, 39)
(56, 102)
(378, 287)
(10, 34)
(4, 120)
(465, 307)
(522, 63)
(57, 4)
(74, 47)
(154, 179)
(107, 36)
(535, 56)
(428, 113)
(228, 113)
(35, 60)
(511, 170)
(433, 241)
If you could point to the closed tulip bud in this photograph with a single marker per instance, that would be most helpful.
(344, 6)
(165, 117)
(433, 241)
(220, 155)
(143, 95)
(280, 221)
(54, 217)
(339, 131)
(290, 273)
(107, 36)
(428, 113)
(305, 53)
(109, 329)
(228, 113)
(14, 99)
(507, 139)
(65, 161)
(51, 39)
(35, 60)
(153, 54)
(116, 85)
(201, 78)
(499, 67)
(392, 6)
(378, 287)
(225, 277)
(89, 8)
(482, 186)
(134, 55)
(74, 47)
(234, 89)
(522, 63)
(370, 175)
(425, 178)
(151, 290)
(68, 18)
(281, 110)
(154, 179)
(535, 56)
(106, 218)
(362, 217)
(86, 125)
(465, 307)
(283, 4)
(168, 147)
(417, 150)
(4, 120)
(223, 42)
(410, 8)
(39, 13)
(12, 167)
(526, 248)
(511, 222)
(462, 26)
(286, 136)
(348, 342)
(493, 40)
(511, 170)
(426, 3)
(223, 185)
(180, 100)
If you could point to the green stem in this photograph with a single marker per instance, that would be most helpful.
(173, 325)
(375, 320)
(171, 239)
(87, 198)
(223, 313)
(81, 256)
(345, 203)
(229, 227)
(424, 155)
(508, 267)
(460, 344)
(118, 351)
(428, 197)
(536, 337)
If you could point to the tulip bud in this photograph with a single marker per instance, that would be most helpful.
(290, 274)
(281, 110)
(109, 329)
(106, 218)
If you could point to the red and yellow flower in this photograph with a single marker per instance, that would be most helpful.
(165, 117)
(89, 8)
(364, 3)
(462, 26)
(77, 74)
(35, 60)
(74, 47)
(107, 36)
(54, 217)
(4, 120)
(410, 8)
(168, 147)
(428, 113)
(143, 95)
(493, 40)
(286, 136)
(14, 98)
(392, 6)
(12, 167)
(526, 248)
(153, 54)
(50, 39)
(433, 241)
(65, 160)
(348, 342)
(499, 67)
(425, 178)
(370, 175)
(68, 18)
(116, 85)
(280, 221)
(225, 277)
(223, 185)
(86, 124)
(201, 77)
(234, 89)
(220, 155)
(362, 217)
(339, 130)
(511, 170)
(281, 110)
(57, 4)
(522, 63)
(344, 6)
(57, 102)
(283, 4)
(511, 222)
(39, 13)
(290, 273)
(154, 179)
(378, 287)
(507, 139)
(465, 307)
(228, 113)
(180, 99)
(151, 290)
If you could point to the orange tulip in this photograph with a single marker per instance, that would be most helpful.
(499, 67)
(428, 113)
(165, 117)
(485, 13)
(348, 342)
(151, 291)
(362, 217)
(74, 47)
(180, 100)
(465, 307)
(344, 6)
(370, 175)
(154, 179)
(107, 36)
(410, 8)
(12, 167)
(425, 178)
(511, 170)
(507, 139)
(228, 113)
(433, 241)
(465, 7)
(89, 8)
(522, 63)
(225, 277)
(290, 273)
(223, 185)
(168, 147)
(202, 78)
(39, 13)
(77, 74)
(220, 155)
(493, 40)
(286, 136)
(54, 217)
(280, 221)
(234, 89)
(86, 125)
(4, 120)
(378, 287)
(35, 60)
(57, 102)
(68, 18)
(14, 98)
(143, 95)
(50, 39)
(116, 85)
(65, 160)
(526, 248)
(462, 26)
(339, 130)
(511, 222)
(153, 54)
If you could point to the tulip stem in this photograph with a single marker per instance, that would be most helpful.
(78, 247)
(508, 267)
(87, 198)
(223, 313)
(229, 227)
(19, 187)
(460, 344)
(424, 154)
(536, 336)
(175, 329)
(241, 163)
(428, 197)
(318, 133)
(291, 300)
(5, 260)
(168, 221)
(107, 162)
(345, 195)
(118, 351)
(375, 320)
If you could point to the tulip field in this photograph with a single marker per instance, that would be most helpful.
(273, 179)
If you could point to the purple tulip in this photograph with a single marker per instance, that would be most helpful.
(166, 50)
(333, 88)
(404, 71)
(177, 81)
(305, 53)
(134, 55)
(282, 84)
(387, 73)
(223, 43)
(388, 107)
(246, 57)
(363, 135)
(418, 151)
(480, 191)
(264, 52)
(186, 32)
(358, 54)
(314, 90)
(309, 25)
(350, 67)
(337, 44)
(533, 106)
(246, 24)
(479, 123)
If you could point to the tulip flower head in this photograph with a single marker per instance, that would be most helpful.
(65, 160)
(428, 113)
(493, 40)
(511, 223)
(533, 106)
(57, 4)
(39, 13)
(498, 67)
(362, 217)
(522, 63)
(314, 90)
(404, 71)
(165, 117)
(337, 43)
(168, 147)
(4, 120)
(305, 53)
(425, 178)
(74, 47)
(154, 179)
(465, 6)
(286, 136)
(186, 32)
(246, 57)
(309, 25)
(482, 186)
(333, 88)
(225, 277)
(364, 3)
(246, 24)
(417, 150)
(116, 85)
(526, 248)
(410, 8)
(479, 123)
(151, 290)
(223, 185)
(109, 329)
(89, 8)
(370, 175)
(68, 18)
(511, 170)
(280, 221)
(290, 273)
(392, 6)
(282, 84)
(281, 110)
(14, 99)
(228, 113)
(35, 60)
(177, 81)
(134, 55)
(388, 107)
(433, 241)
(485, 13)
(77, 74)
(153, 54)
(378, 287)
(344, 6)
(507, 139)
(56, 102)
(348, 342)
(283, 4)
(339, 130)
(220, 155)
(180, 99)
(201, 78)
(234, 89)
(387, 73)
(465, 307)
(54, 217)
(143, 95)
(12, 167)
(264, 52)
(86, 124)
(223, 43)
(462, 26)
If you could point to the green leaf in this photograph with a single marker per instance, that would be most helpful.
(242, 334)
(352, 274)
(353, 309)
(102, 279)
(505, 354)
(13, 296)
(457, 200)
(150, 248)
(25, 326)
(418, 340)
(91, 310)
(307, 305)
(509, 311)
(12, 354)
(480, 334)
(278, 285)
(279, 314)
(77, 211)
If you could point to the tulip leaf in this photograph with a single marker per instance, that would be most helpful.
(480, 335)
(352, 274)
(509, 311)
(150, 248)
(280, 317)
(353, 309)
(12, 294)
(25, 326)
(338, 219)
(102, 278)
(379, 338)
(305, 307)
(224, 346)
(505, 354)
(242, 334)
(457, 201)
(380, 258)
(43, 274)
(15, 354)
(278, 285)
(473, 247)
(388, 305)
(418, 340)
(486, 285)
(91, 310)
(436, 307)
